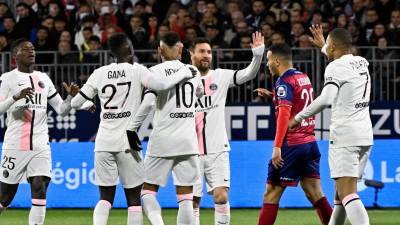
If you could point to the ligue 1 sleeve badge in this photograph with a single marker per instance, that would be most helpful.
(41, 84)
(213, 87)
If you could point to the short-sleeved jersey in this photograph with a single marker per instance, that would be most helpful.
(174, 131)
(119, 88)
(210, 111)
(30, 131)
(294, 89)
(350, 119)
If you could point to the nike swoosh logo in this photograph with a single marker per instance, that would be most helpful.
(226, 179)
(21, 84)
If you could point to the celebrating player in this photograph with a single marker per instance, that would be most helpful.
(119, 87)
(24, 95)
(295, 154)
(347, 88)
(173, 142)
(210, 124)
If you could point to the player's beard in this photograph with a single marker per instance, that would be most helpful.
(203, 66)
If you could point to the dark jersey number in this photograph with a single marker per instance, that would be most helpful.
(8, 163)
(113, 91)
(181, 95)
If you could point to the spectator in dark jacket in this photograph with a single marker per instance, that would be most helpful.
(26, 20)
(257, 16)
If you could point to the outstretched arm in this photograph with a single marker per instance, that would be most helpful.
(63, 107)
(250, 72)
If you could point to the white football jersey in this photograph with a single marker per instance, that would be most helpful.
(210, 111)
(350, 119)
(119, 88)
(174, 131)
(29, 130)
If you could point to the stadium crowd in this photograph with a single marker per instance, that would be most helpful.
(85, 25)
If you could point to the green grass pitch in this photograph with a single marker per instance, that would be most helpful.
(239, 217)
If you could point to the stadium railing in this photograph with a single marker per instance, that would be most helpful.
(384, 68)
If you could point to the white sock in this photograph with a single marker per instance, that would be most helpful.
(135, 216)
(222, 214)
(101, 212)
(196, 216)
(355, 210)
(338, 215)
(151, 207)
(185, 212)
(2, 208)
(37, 212)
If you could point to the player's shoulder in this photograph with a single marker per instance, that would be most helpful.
(8, 75)
(224, 72)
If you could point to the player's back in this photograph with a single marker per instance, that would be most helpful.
(350, 120)
(119, 90)
(174, 118)
(294, 88)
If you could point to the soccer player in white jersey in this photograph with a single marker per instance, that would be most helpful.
(173, 141)
(119, 87)
(347, 89)
(210, 124)
(24, 95)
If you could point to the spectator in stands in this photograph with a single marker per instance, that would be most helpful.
(43, 44)
(93, 55)
(316, 18)
(371, 19)
(245, 54)
(9, 28)
(49, 23)
(88, 21)
(124, 14)
(378, 32)
(277, 38)
(43, 9)
(65, 56)
(231, 8)
(4, 44)
(383, 7)
(297, 31)
(257, 16)
(190, 35)
(200, 10)
(284, 24)
(25, 20)
(4, 11)
(138, 36)
(60, 24)
(107, 33)
(301, 54)
(176, 25)
(309, 8)
(56, 9)
(355, 8)
(341, 20)
(242, 29)
(214, 35)
(152, 27)
(295, 16)
(83, 11)
(285, 5)
(267, 30)
(231, 32)
(358, 37)
(66, 36)
(208, 20)
(394, 27)
(107, 10)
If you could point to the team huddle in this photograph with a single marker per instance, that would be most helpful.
(189, 136)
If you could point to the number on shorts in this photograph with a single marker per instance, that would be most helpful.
(8, 163)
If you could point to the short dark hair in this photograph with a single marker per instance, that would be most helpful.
(116, 41)
(87, 29)
(282, 50)
(341, 38)
(171, 38)
(23, 4)
(94, 38)
(199, 40)
(43, 28)
(16, 44)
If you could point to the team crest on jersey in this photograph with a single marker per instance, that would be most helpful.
(41, 84)
(281, 91)
(6, 173)
(213, 87)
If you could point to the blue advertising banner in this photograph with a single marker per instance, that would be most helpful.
(243, 122)
(73, 181)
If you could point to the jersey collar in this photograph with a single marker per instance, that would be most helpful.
(289, 72)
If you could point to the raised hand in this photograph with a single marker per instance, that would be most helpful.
(26, 93)
(258, 39)
(71, 89)
(318, 36)
(264, 92)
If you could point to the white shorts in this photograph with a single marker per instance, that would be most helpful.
(126, 165)
(184, 170)
(216, 170)
(17, 163)
(348, 161)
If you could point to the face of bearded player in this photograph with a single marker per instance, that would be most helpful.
(202, 57)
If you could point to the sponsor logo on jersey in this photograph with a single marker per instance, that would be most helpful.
(361, 105)
(116, 74)
(110, 116)
(41, 84)
(181, 115)
(281, 91)
(213, 87)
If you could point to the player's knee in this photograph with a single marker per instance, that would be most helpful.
(107, 193)
(272, 194)
(133, 196)
(220, 196)
(39, 186)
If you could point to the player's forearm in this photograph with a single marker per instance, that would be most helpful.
(6, 104)
(78, 101)
(250, 72)
(282, 123)
(144, 110)
(161, 83)
(61, 107)
(326, 99)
